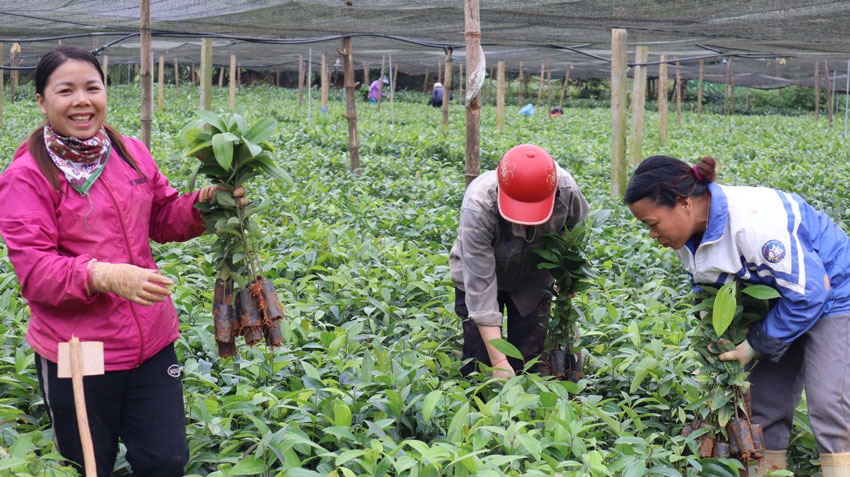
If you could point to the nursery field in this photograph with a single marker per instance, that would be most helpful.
(367, 380)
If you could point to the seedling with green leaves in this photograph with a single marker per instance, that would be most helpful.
(725, 317)
(231, 153)
(564, 257)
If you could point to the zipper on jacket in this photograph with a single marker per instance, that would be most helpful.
(130, 255)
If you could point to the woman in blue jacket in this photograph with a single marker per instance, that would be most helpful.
(761, 235)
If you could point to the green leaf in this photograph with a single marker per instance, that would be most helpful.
(223, 150)
(724, 308)
(761, 292)
(643, 368)
(430, 402)
(506, 347)
(250, 465)
(212, 119)
(261, 130)
(457, 424)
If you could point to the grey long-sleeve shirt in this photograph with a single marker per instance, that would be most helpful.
(493, 255)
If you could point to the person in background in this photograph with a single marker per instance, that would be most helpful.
(78, 205)
(375, 89)
(760, 235)
(505, 215)
(557, 111)
(437, 93)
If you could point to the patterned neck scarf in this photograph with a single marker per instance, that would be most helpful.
(81, 160)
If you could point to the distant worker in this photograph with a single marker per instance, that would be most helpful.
(505, 215)
(437, 95)
(375, 89)
(557, 111)
(759, 235)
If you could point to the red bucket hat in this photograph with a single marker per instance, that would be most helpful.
(528, 180)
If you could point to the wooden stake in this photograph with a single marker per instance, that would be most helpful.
(392, 92)
(300, 78)
(566, 81)
(232, 82)
(521, 85)
(192, 76)
(326, 86)
(472, 34)
(500, 96)
(13, 77)
(206, 74)
(366, 74)
(221, 77)
(2, 86)
(817, 90)
(732, 93)
(439, 72)
(105, 67)
(176, 79)
(540, 85)
(728, 91)
(277, 77)
(381, 83)
(638, 105)
(699, 89)
(160, 89)
(146, 75)
(490, 80)
(618, 112)
(447, 90)
(678, 95)
(548, 85)
(238, 74)
(80, 405)
(829, 91)
(460, 82)
(350, 105)
(662, 101)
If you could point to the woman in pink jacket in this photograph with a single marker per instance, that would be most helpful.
(78, 204)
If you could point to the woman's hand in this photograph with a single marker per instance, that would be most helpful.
(502, 369)
(208, 192)
(139, 285)
(743, 353)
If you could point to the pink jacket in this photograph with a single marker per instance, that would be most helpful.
(51, 237)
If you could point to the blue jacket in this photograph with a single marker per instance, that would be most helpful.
(770, 237)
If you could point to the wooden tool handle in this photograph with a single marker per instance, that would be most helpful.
(80, 404)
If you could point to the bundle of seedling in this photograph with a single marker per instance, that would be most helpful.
(564, 257)
(231, 153)
(723, 413)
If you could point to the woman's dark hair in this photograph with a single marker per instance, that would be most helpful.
(46, 66)
(664, 179)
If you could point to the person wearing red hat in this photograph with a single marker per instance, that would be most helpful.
(505, 215)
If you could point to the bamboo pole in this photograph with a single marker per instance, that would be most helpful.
(146, 76)
(325, 81)
(638, 105)
(192, 74)
(238, 74)
(490, 79)
(381, 82)
(540, 85)
(105, 67)
(277, 77)
(160, 89)
(425, 81)
(817, 90)
(521, 85)
(232, 82)
(221, 77)
(365, 74)
(500, 96)
(846, 91)
(548, 84)
(732, 93)
(662, 100)
(439, 72)
(678, 95)
(728, 91)
(176, 78)
(618, 112)
(699, 89)
(300, 78)
(392, 92)
(14, 75)
(447, 89)
(566, 82)
(206, 74)
(472, 35)
(350, 105)
(828, 92)
(309, 79)
(3, 90)
(460, 82)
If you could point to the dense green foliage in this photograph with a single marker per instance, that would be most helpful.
(367, 381)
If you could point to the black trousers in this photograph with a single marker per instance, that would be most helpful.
(142, 406)
(527, 333)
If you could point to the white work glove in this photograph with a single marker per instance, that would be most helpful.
(743, 353)
(139, 285)
(502, 369)
(208, 192)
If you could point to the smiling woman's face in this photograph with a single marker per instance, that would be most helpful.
(671, 226)
(74, 100)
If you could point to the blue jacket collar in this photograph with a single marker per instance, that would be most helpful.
(717, 217)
